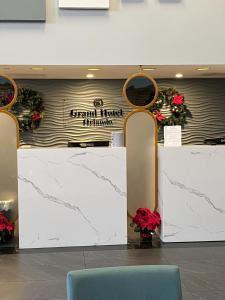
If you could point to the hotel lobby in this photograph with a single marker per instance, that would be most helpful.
(112, 158)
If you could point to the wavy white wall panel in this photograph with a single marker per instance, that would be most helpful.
(204, 97)
(206, 100)
(61, 96)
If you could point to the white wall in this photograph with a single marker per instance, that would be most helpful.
(131, 32)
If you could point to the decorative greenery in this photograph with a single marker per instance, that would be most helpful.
(28, 109)
(170, 108)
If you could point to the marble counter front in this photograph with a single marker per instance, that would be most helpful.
(192, 193)
(72, 197)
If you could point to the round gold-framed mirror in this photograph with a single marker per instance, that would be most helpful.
(140, 90)
(8, 92)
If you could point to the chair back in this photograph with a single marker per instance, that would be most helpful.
(125, 283)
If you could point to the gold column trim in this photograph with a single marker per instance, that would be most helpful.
(156, 149)
(17, 125)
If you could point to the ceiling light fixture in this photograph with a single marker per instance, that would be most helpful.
(149, 69)
(94, 69)
(90, 75)
(37, 68)
(203, 69)
(179, 75)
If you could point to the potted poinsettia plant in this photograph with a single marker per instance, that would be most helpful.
(146, 222)
(6, 228)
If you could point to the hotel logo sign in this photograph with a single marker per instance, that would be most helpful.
(98, 102)
(99, 116)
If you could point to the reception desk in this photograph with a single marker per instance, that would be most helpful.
(192, 193)
(77, 197)
(72, 197)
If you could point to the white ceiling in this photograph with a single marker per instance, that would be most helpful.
(110, 72)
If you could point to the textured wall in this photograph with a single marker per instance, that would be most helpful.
(205, 98)
(58, 127)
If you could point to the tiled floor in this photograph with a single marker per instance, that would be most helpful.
(41, 275)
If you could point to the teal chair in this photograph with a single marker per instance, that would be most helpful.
(125, 283)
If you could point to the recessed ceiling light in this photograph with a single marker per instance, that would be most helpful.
(94, 69)
(90, 75)
(179, 75)
(37, 68)
(149, 69)
(203, 69)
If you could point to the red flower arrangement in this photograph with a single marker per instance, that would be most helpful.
(146, 222)
(36, 116)
(160, 117)
(28, 109)
(178, 99)
(171, 101)
(6, 228)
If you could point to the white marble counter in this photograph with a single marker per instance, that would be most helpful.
(192, 193)
(72, 197)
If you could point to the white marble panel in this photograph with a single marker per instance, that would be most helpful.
(192, 193)
(72, 197)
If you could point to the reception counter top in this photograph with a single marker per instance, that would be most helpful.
(192, 193)
(72, 197)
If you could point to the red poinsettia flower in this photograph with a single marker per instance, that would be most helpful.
(10, 227)
(5, 224)
(2, 227)
(178, 99)
(147, 220)
(159, 116)
(36, 116)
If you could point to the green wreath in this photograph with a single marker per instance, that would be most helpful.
(28, 109)
(170, 109)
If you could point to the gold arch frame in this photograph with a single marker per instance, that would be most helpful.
(15, 92)
(17, 125)
(17, 136)
(140, 75)
(156, 150)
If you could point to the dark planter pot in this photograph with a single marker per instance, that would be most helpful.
(5, 236)
(146, 242)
